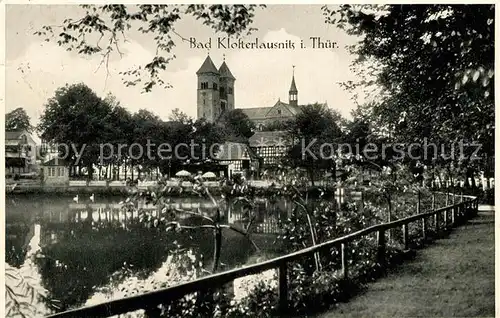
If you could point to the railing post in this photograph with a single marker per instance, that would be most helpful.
(345, 265)
(436, 218)
(433, 201)
(283, 289)
(405, 236)
(445, 218)
(418, 202)
(460, 212)
(447, 197)
(453, 214)
(381, 247)
(424, 229)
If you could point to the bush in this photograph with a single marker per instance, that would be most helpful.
(488, 197)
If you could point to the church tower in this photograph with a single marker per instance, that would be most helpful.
(208, 91)
(293, 92)
(226, 91)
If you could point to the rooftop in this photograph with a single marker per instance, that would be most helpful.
(13, 135)
(208, 67)
(224, 71)
(235, 151)
(269, 139)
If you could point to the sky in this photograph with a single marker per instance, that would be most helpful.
(35, 68)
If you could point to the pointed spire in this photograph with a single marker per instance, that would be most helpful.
(224, 69)
(293, 87)
(293, 92)
(208, 66)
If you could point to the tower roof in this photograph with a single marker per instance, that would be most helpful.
(208, 67)
(293, 87)
(224, 71)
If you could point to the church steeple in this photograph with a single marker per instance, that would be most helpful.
(226, 87)
(293, 92)
(208, 103)
(207, 67)
(224, 70)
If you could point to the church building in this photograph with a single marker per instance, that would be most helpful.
(215, 90)
(216, 95)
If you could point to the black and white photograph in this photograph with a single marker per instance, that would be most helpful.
(249, 160)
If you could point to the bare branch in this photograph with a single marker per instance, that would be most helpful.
(196, 214)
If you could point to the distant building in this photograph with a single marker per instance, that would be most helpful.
(20, 152)
(238, 158)
(215, 90)
(216, 95)
(56, 171)
(49, 150)
(281, 111)
(271, 146)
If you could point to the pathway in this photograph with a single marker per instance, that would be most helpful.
(452, 277)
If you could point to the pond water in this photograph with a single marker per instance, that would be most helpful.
(85, 254)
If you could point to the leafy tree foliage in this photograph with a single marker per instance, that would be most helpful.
(179, 116)
(434, 64)
(314, 133)
(18, 120)
(101, 29)
(238, 125)
(99, 132)
(276, 125)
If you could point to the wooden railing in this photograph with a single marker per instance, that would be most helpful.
(448, 216)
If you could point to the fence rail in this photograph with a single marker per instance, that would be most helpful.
(443, 219)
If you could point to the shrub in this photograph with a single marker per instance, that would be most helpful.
(488, 196)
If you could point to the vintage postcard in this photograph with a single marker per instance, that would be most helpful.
(223, 160)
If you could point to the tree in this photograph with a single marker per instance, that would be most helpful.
(79, 120)
(18, 120)
(315, 132)
(179, 116)
(276, 125)
(123, 129)
(239, 127)
(111, 24)
(434, 64)
(147, 125)
(233, 192)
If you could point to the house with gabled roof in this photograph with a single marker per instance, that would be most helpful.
(20, 152)
(237, 158)
(271, 146)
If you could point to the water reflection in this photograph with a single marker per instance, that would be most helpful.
(86, 246)
(91, 249)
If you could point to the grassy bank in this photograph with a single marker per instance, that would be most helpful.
(455, 277)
